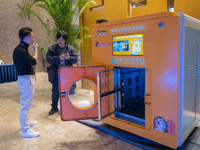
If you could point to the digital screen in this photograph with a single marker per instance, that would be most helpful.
(128, 44)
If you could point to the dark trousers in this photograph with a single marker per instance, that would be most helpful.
(55, 91)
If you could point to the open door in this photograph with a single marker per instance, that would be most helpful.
(78, 92)
(109, 92)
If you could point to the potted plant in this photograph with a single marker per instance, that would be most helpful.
(64, 14)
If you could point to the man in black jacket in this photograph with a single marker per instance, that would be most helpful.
(59, 54)
(23, 62)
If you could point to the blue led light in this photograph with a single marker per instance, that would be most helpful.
(161, 24)
(112, 60)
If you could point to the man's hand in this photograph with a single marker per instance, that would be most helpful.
(67, 56)
(35, 46)
(62, 57)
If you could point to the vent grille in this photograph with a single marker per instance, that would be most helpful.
(199, 70)
(191, 74)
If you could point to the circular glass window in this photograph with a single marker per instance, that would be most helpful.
(83, 94)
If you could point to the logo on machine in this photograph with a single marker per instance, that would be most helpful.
(101, 32)
(102, 44)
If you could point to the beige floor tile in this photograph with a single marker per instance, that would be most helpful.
(55, 134)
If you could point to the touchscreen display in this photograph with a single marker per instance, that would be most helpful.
(128, 44)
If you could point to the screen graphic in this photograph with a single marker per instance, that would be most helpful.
(128, 45)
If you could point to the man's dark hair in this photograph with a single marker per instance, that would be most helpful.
(63, 34)
(24, 32)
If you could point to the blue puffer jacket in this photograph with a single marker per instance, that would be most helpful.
(53, 59)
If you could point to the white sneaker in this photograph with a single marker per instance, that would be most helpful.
(30, 134)
(33, 123)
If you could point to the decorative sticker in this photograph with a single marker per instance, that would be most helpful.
(160, 124)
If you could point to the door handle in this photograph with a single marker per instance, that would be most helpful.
(147, 98)
(63, 94)
(148, 86)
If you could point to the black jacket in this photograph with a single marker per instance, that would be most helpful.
(22, 60)
(53, 59)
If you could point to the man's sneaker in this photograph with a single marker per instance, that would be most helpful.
(30, 134)
(33, 123)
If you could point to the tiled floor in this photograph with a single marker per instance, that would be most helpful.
(54, 133)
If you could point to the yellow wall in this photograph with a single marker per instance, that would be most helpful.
(119, 9)
(113, 10)
(89, 18)
(189, 7)
(153, 6)
(116, 9)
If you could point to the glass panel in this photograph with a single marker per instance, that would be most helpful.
(170, 5)
(136, 3)
(83, 93)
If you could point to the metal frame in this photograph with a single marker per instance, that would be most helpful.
(111, 76)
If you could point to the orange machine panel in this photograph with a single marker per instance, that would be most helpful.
(68, 76)
(160, 36)
(156, 59)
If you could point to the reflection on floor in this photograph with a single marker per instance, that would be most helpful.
(59, 135)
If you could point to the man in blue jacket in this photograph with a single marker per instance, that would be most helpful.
(59, 54)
